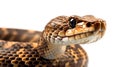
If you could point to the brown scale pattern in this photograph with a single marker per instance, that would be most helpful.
(25, 55)
(20, 35)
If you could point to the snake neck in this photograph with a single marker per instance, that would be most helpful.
(50, 51)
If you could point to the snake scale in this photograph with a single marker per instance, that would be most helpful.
(56, 46)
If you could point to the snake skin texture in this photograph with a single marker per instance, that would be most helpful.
(10, 34)
(56, 46)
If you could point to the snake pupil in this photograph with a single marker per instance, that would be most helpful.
(72, 22)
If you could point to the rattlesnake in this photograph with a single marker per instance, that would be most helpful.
(56, 46)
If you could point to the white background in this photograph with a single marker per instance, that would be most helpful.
(34, 14)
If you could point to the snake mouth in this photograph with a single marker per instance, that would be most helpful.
(79, 38)
(80, 35)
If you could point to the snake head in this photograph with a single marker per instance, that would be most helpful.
(66, 30)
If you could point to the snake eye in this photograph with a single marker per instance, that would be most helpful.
(72, 22)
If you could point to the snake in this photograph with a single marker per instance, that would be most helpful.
(58, 45)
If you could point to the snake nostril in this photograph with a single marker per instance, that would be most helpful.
(89, 24)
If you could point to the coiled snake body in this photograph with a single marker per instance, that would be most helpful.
(57, 46)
